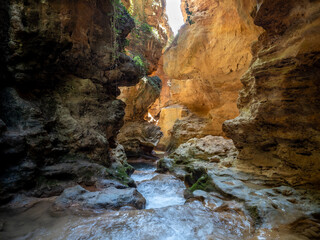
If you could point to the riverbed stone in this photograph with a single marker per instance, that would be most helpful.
(209, 148)
(109, 198)
(269, 201)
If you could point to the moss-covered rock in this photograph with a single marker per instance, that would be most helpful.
(203, 183)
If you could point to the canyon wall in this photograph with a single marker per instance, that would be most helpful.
(207, 58)
(277, 131)
(140, 135)
(59, 114)
(146, 42)
(145, 45)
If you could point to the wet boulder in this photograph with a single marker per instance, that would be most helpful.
(79, 198)
(209, 148)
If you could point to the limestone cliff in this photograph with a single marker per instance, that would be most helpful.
(208, 57)
(277, 131)
(61, 70)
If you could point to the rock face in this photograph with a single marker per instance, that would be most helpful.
(189, 127)
(194, 155)
(145, 45)
(209, 148)
(139, 138)
(208, 167)
(208, 57)
(146, 41)
(61, 76)
(278, 126)
(169, 116)
(139, 98)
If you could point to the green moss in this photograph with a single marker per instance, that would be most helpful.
(146, 28)
(121, 173)
(203, 183)
(139, 63)
(254, 213)
(194, 173)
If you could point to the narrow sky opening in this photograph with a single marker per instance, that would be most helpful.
(174, 13)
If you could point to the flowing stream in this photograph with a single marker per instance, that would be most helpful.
(160, 190)
(167, 217)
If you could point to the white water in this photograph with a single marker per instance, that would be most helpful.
(160, 190)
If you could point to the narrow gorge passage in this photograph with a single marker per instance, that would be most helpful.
(160, 120)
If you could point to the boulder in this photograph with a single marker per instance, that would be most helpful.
(139, 138)
(209, 148)
(78, 198)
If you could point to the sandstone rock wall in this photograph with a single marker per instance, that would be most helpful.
(207, 58)
(58, 100)
(139, 98)
(138, 136)
(277, 131)
(151, 33)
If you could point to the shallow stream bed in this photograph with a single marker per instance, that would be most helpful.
(167, 216)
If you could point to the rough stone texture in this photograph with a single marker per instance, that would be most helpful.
(151, 33)
(188, 127)
(169, 115)
(209, 148)
(78, 198)
(139, 98)
(58, 96)
(209, 164)
(278, 126)
(164, 100)
(207, 59)
(139, 138)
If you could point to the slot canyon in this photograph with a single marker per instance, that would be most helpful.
(160, 119)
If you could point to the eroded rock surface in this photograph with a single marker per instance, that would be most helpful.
(207, 58)
(191, 126)
(139, 138)
(209, 148)
(150, 36)
(58, 96)
(139, 98)
(277, 131)
(209, 169)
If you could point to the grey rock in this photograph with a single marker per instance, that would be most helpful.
(109, 198)
(105, 183)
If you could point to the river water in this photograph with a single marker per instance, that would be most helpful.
(167, 217)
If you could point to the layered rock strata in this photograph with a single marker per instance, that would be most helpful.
(207, 58)
(62, 67)
(277, 131)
